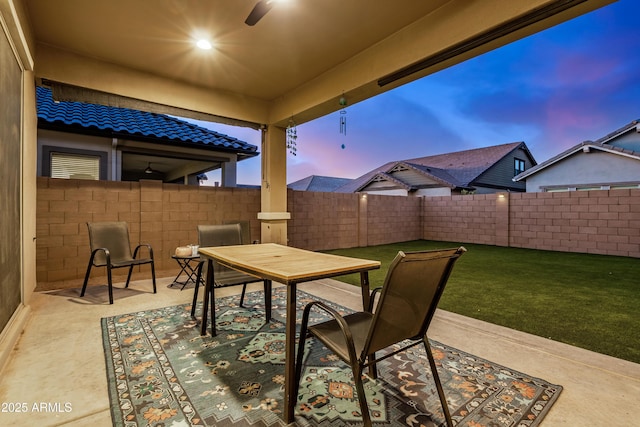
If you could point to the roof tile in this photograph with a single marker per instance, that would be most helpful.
(114, 120)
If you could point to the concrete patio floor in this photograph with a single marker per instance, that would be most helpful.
(59, 360)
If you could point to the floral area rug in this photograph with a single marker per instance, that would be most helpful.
(161, 372)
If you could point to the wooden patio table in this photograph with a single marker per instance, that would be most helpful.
(289, 266)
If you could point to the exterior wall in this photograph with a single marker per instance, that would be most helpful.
(391, 219)
(629, 140)
(322, 220)
(433, 192)
(468, 218)
(113, 150)
(166, 216)
(77, 142)
(601, 222)
(388, 192)
(499, 176)
(596, 167)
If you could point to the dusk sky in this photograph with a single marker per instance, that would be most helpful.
(574, 82)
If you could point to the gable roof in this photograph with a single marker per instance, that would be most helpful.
(132, 124)
(318, 183)
(429, 173)
(634, 125)
(576, 149)
(456, 170)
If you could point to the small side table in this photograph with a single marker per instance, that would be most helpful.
(185, 269)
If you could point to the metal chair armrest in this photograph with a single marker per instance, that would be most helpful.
(107, 256)
(372, 298)
(342, 323)
(147, 245)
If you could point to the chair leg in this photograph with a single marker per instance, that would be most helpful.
(195, 289)
(436, 379)
(373, 368)
(126, 285)
(110, 284)
(300, 355)
(362, 398)
(153, 276)
(86, 277)
(244, 290)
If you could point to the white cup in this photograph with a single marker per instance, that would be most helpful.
(194, 250)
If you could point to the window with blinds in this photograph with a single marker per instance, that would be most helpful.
(75, 166)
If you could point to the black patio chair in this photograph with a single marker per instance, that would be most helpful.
(410, 294)
(110, 248)
(224, 235)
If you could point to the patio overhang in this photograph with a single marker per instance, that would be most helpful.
(297, 62)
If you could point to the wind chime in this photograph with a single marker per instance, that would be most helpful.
(292, 136)
(343, 118)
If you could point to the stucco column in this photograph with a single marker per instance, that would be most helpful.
(274, 213)
(230, 172)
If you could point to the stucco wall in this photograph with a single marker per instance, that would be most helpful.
(596, 167)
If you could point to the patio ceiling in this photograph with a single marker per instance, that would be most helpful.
(298, 60)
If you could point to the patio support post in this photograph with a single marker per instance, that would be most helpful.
(229, 172)
(274, 213)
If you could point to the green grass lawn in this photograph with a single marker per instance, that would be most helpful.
(589, 301)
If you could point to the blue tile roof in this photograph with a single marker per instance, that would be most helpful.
(133, 124)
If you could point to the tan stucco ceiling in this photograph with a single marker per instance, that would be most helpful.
(297, 61)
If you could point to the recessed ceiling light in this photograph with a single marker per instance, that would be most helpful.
(204, 44)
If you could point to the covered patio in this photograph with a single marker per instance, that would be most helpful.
(60, 358)
(295, 64)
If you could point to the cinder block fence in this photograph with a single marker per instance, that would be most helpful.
(166, 216)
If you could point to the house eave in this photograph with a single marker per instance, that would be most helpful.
(587, 145)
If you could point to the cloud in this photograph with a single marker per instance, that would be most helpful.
(576, 81)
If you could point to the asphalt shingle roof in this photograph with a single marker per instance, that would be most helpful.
(318, 183)
(459, 169)
(133, 124)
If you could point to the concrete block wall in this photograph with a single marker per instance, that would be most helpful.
(163, 215)
(600, 221)
(63, 209)
(323, 220)
(166, 216)
(392, 219)
(603, 222)
(465, 219)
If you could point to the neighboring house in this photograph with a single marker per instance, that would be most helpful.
(319, 183)
(481, 171)
(88, 141)
(611, 162)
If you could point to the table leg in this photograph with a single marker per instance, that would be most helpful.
(364, 288)
(212, 295)
(290, 355)
(267, 297)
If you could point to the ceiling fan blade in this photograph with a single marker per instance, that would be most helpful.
(259, 10)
